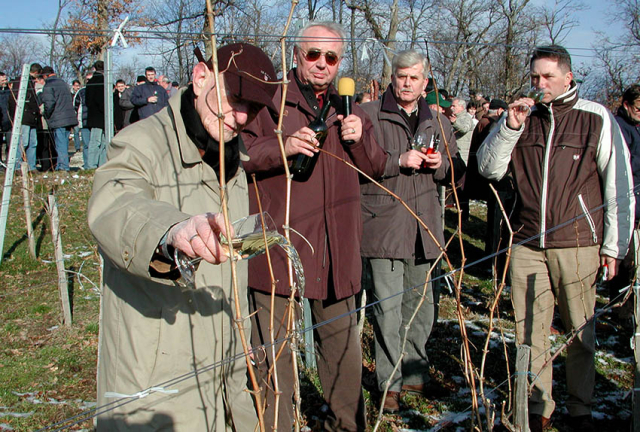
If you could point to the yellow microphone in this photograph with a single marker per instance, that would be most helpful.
(346, 89)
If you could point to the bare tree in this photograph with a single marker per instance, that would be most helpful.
(560, 18)
(61, 5)
(16, 50)
(383, 20)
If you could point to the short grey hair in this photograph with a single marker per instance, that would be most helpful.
(408, 58)
(166, 79)
(460, 101)
(331, 26)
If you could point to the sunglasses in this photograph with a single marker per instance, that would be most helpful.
(314, 54)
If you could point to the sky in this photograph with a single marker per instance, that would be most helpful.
(41, 12)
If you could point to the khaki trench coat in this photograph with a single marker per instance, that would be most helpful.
(151, 330)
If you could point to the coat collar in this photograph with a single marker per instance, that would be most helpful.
(562, 103)
(624, 115)
(389, 106)
(297, 99)
(189, 152)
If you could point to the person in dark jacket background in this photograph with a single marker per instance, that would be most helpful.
(127, 107)
(82, 113)
(628, 118)
(97, 151)
(59, 113)
(118, 112)
(150, 97)
(30, 116)
(5, 120)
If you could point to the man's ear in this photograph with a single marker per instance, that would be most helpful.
(568, 78)
(200, 75)
(295, 55)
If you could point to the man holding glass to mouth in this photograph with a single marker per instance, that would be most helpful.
(161, 172)
(567, 157)
(325, 209)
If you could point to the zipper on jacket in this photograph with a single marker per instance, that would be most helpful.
(545, 180)
(592, 224)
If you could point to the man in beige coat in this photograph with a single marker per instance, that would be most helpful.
(159, 191)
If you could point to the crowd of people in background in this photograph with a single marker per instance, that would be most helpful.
(58, 117)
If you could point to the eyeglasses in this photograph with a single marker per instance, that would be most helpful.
(314, 54)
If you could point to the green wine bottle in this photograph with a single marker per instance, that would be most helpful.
(303, 165)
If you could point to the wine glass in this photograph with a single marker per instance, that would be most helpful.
(247, 243)
(535, 93)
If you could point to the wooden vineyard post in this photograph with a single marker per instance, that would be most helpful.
(63, 286)
(521, 393)
(24, 167)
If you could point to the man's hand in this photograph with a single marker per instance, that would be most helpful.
(152, 99)
(612, 263)
(518, 112)
(198, 237)
(351, 129)
(413, 159)
(433, 160)
(453, 118)
(300, 142)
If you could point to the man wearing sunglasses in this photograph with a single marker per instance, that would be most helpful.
(159, 191)
(325, 209)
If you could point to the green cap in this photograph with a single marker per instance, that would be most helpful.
(431, 100)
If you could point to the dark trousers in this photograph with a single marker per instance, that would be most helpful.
(339, 359)
(46, 150)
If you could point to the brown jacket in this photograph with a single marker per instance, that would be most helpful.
(325, 209)
(567, 159)
(390, 231)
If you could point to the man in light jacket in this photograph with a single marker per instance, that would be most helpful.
(399, 250)
(574, 213)
(59, 113)
(159, 191)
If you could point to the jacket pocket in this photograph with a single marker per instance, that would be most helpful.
(587, 215)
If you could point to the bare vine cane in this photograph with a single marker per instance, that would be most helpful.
(271, 316)
(490, 411)
(239, 319)
(290, 321)
(469, 369)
